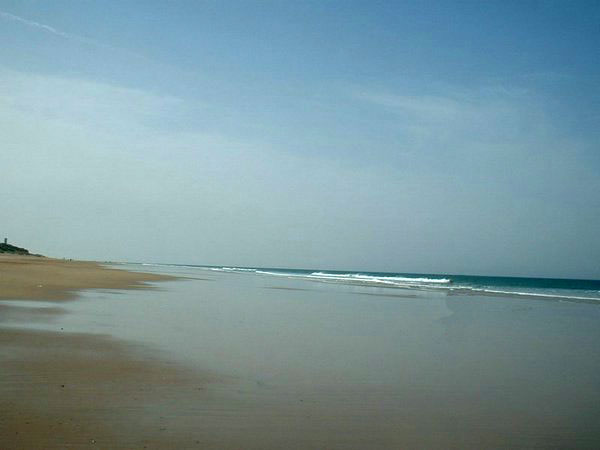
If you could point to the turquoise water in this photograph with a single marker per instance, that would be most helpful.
(543, 288)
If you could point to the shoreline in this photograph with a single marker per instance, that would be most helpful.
(60, 389)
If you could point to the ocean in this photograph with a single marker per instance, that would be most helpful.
(560, 289)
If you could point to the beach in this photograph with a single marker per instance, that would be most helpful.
(35, 278)
(79, 390)
(141, 356)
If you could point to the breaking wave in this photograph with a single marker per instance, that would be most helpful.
(577, 290)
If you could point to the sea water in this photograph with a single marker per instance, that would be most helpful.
(550, 288)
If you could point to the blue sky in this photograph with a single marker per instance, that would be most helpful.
(404, 136)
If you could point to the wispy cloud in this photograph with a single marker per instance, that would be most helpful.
(431, 106)
(461, 115)
(70, 36)
(44, 27)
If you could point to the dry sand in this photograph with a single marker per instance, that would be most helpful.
(66, 390)
(35, 278)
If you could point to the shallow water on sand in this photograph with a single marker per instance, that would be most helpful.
(309, 364)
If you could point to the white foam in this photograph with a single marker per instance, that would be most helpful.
(237, 269)
(533, 294)
(380, 279)
(280, 274)
(356, 278)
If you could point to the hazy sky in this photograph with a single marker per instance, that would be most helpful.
(453, 137)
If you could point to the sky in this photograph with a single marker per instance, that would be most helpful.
(423, 137)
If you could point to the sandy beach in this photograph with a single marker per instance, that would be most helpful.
(185, 357)
(79, 390)
(36, 278)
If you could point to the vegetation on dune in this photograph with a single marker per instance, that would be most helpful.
(8, 248)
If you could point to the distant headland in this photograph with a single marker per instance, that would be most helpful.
(5, 247)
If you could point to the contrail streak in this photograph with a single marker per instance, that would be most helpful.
(43, 27)
(48, 29)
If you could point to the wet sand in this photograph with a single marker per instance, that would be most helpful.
(86, 391)
(61, 389)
